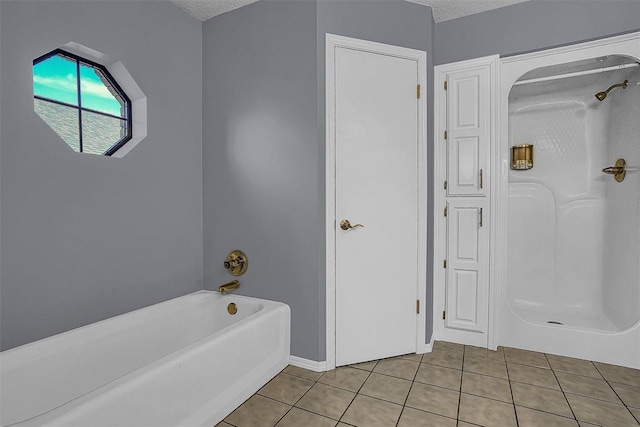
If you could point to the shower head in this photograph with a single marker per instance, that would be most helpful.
(602, 95)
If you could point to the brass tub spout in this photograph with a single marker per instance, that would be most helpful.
(223, 289)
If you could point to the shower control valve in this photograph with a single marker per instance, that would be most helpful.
(619, 171)
(236, 263)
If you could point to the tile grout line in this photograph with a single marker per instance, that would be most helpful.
(357, 392)
(404, 405)
(464, 354)
(291, 405)
(337, 388)
(513, 399)
(616, 393)
(294, 404)
(562, 389)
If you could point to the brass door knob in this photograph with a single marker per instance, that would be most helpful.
(346, 225)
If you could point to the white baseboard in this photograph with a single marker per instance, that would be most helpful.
(425, 348)
(311, 365)
(428, 347)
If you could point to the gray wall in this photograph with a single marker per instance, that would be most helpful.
(533, 25)
(88, 237)
(261, 158)
(263, 143)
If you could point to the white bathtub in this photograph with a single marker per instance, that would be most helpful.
(183, 362)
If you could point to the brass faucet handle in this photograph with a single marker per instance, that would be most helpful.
(236, 263)
(613, 170)
(619, 171)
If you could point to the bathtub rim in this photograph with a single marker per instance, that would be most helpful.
(155, 306)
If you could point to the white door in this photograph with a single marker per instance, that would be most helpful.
(376, 185)
(466, 292)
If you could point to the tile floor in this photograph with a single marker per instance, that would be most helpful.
(454, 385)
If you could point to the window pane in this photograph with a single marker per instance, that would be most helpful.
(62, 119)
(99, 133)
(56, 78)
(97, 93)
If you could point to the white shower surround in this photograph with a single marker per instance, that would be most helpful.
(561, 197)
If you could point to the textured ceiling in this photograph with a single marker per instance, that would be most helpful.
(206, 9)
(443, 10)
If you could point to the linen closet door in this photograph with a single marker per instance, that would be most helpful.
(466, 137)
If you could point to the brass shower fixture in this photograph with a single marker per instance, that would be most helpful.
(619, 171)
(602, 95)
(236, 263)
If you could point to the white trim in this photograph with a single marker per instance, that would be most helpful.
(310, 365)
(128, 85)
(572, 48)
(440, 196)
(332, 41)
(330, 213)
(495, 222)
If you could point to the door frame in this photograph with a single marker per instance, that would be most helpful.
(440, 197)
(331, 42)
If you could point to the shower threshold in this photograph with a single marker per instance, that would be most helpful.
(593, 320)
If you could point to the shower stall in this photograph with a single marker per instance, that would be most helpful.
(570, 263)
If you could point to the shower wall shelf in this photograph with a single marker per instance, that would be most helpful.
(522, 157)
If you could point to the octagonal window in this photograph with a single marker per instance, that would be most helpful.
(81, 102)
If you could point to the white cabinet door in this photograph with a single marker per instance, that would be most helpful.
(467, 292)
(465, 104)
(468, 131)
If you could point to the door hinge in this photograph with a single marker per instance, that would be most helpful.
(445, 211)
(445, 135)
(445, 184)
(418, 91)
(445, 85)
(444, 315)
(418, 306)
(445, 263)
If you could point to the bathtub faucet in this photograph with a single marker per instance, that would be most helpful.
(223, 289)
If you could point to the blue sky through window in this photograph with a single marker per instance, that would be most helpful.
(56, 78)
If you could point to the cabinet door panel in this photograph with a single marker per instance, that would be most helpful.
(468, 131)
(467, 256)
